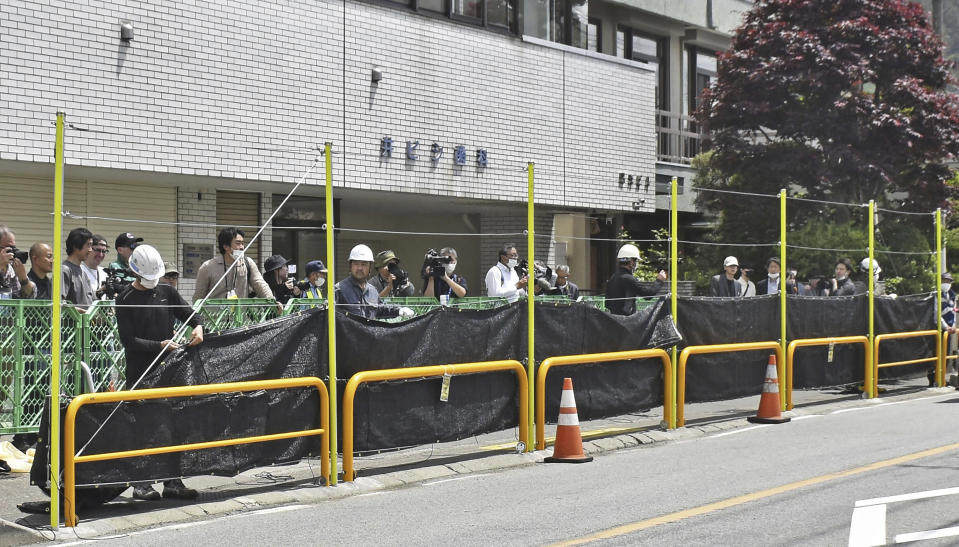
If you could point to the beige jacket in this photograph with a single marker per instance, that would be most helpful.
(243, 278)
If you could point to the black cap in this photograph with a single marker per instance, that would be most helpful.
(127, 240)
(275, 262)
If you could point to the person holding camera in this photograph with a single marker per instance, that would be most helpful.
(390, 279)
(818, 286)
(355, 295)
(14, 282)
(503, 279)
(277, 276)
(843, 286)
(441, 281)
(146, 310)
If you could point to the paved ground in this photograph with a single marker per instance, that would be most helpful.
(298, 483)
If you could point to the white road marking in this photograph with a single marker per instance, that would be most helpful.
(909, 497)
(440, 481)
(928, 534)
(741, 430)
(868, 526)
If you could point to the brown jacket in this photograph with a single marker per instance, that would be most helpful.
(243, 278)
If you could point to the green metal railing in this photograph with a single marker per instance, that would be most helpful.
(222, 314)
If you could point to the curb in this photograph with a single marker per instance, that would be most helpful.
(398, 479)
(12, 533)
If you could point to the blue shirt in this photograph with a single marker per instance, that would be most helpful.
(363, 301)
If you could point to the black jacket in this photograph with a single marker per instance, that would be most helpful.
(720, 286)
(622, 290)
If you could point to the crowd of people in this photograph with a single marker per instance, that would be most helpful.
(144, 287)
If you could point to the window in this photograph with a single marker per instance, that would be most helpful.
(651, 50)
(563, 21)
(499, 14)
(594, 35)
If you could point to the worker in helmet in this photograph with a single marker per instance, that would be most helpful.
(623, 288)
(354, 294)
(146, 310)
(862, 284)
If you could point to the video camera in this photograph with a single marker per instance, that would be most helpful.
(400, 274)
(117, 280)
(436, 263)
(18, 254)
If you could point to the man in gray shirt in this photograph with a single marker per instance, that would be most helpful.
(75, 286)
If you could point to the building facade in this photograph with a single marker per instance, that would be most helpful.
(185, 116)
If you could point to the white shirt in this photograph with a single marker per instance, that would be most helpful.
(749, 288)
(772, 286)
(97, 276)
(501, 281)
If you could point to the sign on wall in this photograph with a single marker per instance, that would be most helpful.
(194, 255)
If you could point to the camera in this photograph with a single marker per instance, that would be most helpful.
(522, 268)
(117, 280)
(18, 254)
(400, 274)
(436, 263)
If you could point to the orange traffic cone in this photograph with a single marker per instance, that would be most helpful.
(568, 447)
(769, 406)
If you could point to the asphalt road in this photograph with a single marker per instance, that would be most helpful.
(791, 484)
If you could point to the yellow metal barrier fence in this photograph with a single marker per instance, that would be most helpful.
(70, 459)
(427, 372)
(896, 336)
(944, 352)
(869, 379)
(540, 393)
(719, 348)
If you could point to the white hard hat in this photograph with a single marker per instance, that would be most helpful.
(864, 266)
(361, 252)
(628, 251)
(147, 263)
(730, 261)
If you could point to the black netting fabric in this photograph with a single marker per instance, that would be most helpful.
(387, 414)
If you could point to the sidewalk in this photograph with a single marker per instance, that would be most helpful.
(299, 483)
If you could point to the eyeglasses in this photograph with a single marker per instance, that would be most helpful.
(101, 251)
(172, 275)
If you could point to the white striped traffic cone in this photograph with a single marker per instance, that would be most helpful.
(568, 447)
(769, 404)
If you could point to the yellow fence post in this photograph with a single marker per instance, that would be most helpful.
(530, 304)
(781, 367)
(941, 365)
(674, 282)
(330, 306)
(55, 326)
(872, 293)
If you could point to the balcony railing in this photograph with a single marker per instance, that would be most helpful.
(678, 137)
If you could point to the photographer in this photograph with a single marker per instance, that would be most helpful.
(503, 279)
(277, 277)
(390, 279)
(843, 286)
(440, 280)
(818, 286)
(14, 282)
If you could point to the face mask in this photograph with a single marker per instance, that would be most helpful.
(774, 276)
(512, 263)
(149, 283)
(450, 268)
(946, 287)
(838, 278)
(319, 282)
(238, 254)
